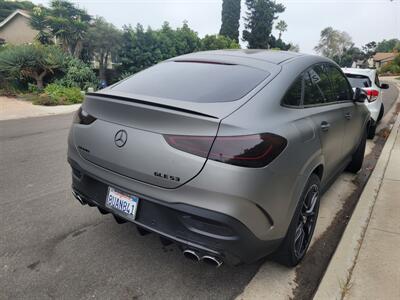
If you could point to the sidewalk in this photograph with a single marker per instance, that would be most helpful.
(11, 108)
(376, 274)
(366, 264)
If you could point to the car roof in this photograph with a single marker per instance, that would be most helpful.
(252, 57)
(357, 71)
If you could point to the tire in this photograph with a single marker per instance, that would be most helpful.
(381, 112)
(371, 130)
(358, 156)
(301, 228)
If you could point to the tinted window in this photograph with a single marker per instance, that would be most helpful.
(359, 81)
(341, 87)
(312, 93)
(293, 95)
(320, 77)
(194, 81)
(317, 86)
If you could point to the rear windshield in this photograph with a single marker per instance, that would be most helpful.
(359, 81)
(194, 81)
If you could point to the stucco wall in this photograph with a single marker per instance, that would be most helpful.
(18, 31)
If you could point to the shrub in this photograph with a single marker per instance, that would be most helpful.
(11, 88)
(42, 64)
(33, 89)
(215, 42)
(33, 62)
(78, 74)
(55, 94)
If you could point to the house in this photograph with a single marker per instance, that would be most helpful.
(381, 58)
(361, 64)
(15, 29)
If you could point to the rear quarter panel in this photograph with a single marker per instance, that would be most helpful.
(279, 185)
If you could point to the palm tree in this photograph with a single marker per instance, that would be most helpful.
(281, 27)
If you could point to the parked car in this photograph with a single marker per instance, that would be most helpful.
(368, 80)
(225, 153)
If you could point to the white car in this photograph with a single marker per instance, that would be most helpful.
(368, 80)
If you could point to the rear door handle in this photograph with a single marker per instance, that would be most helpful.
(325, 126)
(347, 116)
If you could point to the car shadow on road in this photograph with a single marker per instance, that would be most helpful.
(114, 260)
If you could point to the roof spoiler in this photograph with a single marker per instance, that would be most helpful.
(149, 103)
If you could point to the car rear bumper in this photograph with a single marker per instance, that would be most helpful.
(205, 231)
(374, 108)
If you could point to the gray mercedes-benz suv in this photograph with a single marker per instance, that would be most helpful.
(225, 153)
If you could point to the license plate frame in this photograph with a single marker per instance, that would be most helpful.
(122, 203)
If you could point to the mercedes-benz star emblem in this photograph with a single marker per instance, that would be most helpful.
(120, 138)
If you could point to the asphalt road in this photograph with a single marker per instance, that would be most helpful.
(52, 247)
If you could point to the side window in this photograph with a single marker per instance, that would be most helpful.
(324, 83)
(341, 87)
(317, 87)
(293, 95)
(312, 95)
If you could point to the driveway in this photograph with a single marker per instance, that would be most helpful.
(52, 247)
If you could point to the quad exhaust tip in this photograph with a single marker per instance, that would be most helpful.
(208, 259)
(189, 254)
(78, 197)
(192, 255)
(212, 260)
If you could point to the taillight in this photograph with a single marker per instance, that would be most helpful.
(372, 95)
(253, 151)
(82, 117)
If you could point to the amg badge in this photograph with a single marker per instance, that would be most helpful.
(166, 176)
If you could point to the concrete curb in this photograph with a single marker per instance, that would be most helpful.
(344, 259)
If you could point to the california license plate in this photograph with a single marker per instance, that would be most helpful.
(122, 202)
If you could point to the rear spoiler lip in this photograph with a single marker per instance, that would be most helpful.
(149, 103)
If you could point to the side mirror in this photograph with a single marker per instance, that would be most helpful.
(359, 95)
(384, 86)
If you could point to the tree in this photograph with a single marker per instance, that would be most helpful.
(369, 50)
(77, 74)
(277, 44)
(139, 49)
(103, 42)
(31, 62)
(188, 40)
(388, 45)
(333, 43)
(215, 42)
(230, 19)
(348, 56)
(259, 20)
(39, 22)
(294, 48)
(281, 27)
(67, 23)
(143, 48)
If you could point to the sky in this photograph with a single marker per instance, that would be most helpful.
(364, 20)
